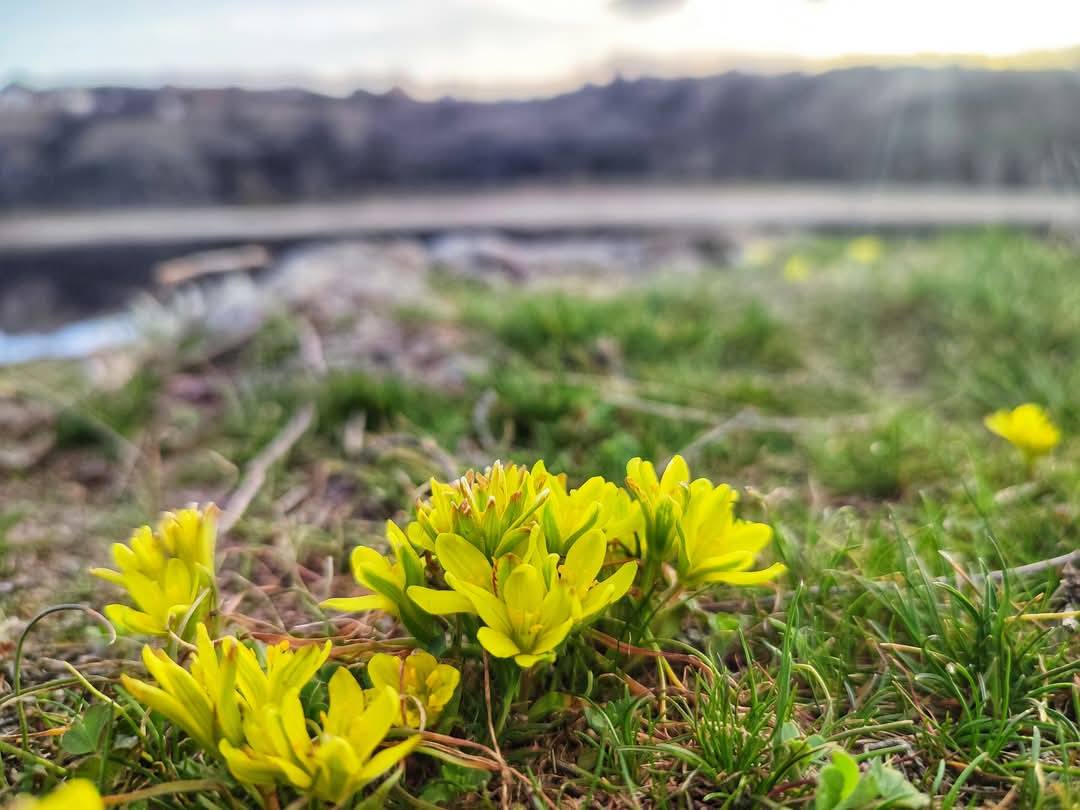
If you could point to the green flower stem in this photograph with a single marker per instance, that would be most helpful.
(33, 759)
(24, 729)
(509, 696)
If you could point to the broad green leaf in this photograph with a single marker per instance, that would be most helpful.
(86, 735)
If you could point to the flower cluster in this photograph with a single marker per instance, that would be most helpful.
(513, 559)
(524, 555)
(168, 573)
(426, 686)
(242, 703)
(339, 760)
(251, 713)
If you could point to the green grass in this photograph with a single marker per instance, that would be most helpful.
(856, 398)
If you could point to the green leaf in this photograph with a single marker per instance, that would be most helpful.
(790, 731)
(454, 781)
(842, 787)
(836, 782)
(377, 799)
(549, 704)
(86, 735)
(895, 790)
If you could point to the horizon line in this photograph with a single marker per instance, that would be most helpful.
(626, 68)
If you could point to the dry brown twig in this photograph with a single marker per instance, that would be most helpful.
(255, 474)
(481, 418)
(629, 649)
(750, 419)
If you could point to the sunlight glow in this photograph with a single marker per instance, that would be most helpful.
(504, 43)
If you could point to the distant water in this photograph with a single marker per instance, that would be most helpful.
(78, 339)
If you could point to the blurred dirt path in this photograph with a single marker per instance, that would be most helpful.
(550, 209)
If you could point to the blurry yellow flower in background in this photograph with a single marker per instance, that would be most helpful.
(1027, 427)
(423, 682)
(865, 249)
(759, 252)
(169, 574)
(797, 268)
(78, 794)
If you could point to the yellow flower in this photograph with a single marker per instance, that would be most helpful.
(204, 702)
(78, 794)
(642, 480)
(567, 515)
(225, 683)
(715, 547)
(169, 574)
(797, 269)
(526, 617)
(865, 249)
(526, 620)
(660, 501)
(759, 252)
(339, 761)
(691, 524)
(425, 684)
(285, 669)
(462, 562)
(491, 509)
(578, 574)
(388, 582)
(1027, 427)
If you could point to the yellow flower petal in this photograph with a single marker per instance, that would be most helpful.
(527, 660)
(498, 644)
(78, 794)
(361, 604)
(384, 670)
(748, 577)
(584, 559)
(487, 606)
(462, 559)
(134, 621)
(370, 727)
(621, 580)
(524, 593)
(387, 759)
(553, 637)
(675, 474)
(249, 769)
(167, 705)
(440, 603)
(346, 702)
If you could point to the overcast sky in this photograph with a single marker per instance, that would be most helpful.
(489, 45)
